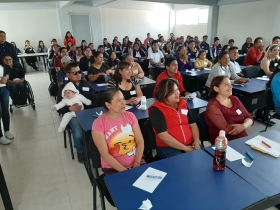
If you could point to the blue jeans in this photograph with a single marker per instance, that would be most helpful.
(166, 152)
(78, 134)
(4, 109)
(18, 93)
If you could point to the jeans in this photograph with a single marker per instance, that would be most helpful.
(18, 93)
(78, 134)
(4, 109)
(166, 152)
(277, 110)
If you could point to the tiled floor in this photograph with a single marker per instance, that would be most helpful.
(39, 172)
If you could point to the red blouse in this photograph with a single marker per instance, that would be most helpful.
(218, 117)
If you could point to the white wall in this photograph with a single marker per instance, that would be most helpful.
(32, 25)
(252, 19)
(193, 30)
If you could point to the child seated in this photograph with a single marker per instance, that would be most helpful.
(70, 96)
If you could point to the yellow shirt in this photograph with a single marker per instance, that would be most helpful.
(137, 70)
(202, 63)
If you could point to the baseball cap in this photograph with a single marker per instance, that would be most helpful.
(66, 59)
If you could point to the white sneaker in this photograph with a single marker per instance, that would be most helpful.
(3, 140)
(8, 135)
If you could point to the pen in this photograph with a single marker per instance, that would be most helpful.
(266, 144)
(154, 177)
(258, 149)
(250, 156)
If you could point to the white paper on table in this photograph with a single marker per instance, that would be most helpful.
(232, 154)
(146, 205)
(207, 69)
(247, 164)
(128, 107)
(192, 95)
(16, 79)
(263, 78)
(149, 184)
(103, 84)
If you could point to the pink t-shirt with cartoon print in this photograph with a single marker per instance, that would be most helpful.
(119, 136)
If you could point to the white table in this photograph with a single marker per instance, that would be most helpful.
(38, 55)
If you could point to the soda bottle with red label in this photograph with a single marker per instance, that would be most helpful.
(219, 162)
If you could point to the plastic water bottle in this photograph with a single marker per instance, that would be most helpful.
(143, 103)
(219, 162)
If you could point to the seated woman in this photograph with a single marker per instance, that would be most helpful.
(31, 61)
(226, 112)
(83, 46)
(221, 67)
(107, 46)
(117, 135)
(274, 84)
(225, 48)
(173, 123)
(16, 83)
(202, 62)
(112, 60)
(137, 52)
(136, 69)
(142, 46)
(41, 47)
(17, 50)
(247, 45)
(122, 80)
(184, 61)
(116, 47)
(167, 49)
(101, 49)
(161, 42)
(99, 72)
(79, 54)
(270, 60)
(192, 52)
(125, 46)
(69, 38)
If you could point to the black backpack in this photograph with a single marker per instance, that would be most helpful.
(53, 89)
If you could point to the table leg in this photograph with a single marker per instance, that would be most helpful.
(21, 58)
(4, 192)
(44, 60)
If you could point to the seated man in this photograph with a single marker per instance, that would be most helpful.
(85, 61)
(233, 65)
(50, 49)
(72, 53)
(16, 83)
(231, 42)
(255, 53)
(57, 61)
(61, 74)
(204, 45)
(156, 58)
(74, 75)
(275, 40)
(214, 50)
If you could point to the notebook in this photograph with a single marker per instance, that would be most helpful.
(257, 142)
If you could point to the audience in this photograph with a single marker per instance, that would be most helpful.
(226, 112)
(83, 46)
(101, 49)
(161, 42)
(192, 51)
(50, 50)
(107, 46)
(231, 43)
(214, 49)
(15, 83)
(204, 45)
(117, 135)
(57, 61)
(167, 49)
(17, 50)
(4, 102)
(72, 52)
(79, 54)
(6, 47)
(275, 40)
(61, 74)
(233, 65)
(270, 60)
(112, 60)
(274, 84)
(99, 72)
(221, 67)
(202, 62)
(116, 38)
(69, 38)
(176, 136)
(85, 61)
(247, 45)
(122, 80)
(155, 57)
(184, 61)
(136, 69)
(74, 75)
(91, 46)
(255, 53)
(197, 43)
(41, 47)
(125, 46)
(225, 48)
(146, 41)
(137, 52)
(116, 47)
(31, 61)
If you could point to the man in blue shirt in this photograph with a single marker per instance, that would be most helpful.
(6, 47)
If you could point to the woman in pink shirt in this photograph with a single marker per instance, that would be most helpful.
(117, 135)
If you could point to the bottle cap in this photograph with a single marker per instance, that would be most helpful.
(222, 133)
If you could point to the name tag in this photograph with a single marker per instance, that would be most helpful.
(66, 79)
(184, 111)
(206, 51)
(238, 112)
(135, 71)
(189, 54)
(85, 88)
(133, 92)
(205, 63)
(276, 64)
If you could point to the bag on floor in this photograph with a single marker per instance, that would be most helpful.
(53, 89)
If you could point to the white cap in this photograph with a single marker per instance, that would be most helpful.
(222, 133)
(65, 59)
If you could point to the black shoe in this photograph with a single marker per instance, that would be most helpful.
(81, 157)
(277, 206)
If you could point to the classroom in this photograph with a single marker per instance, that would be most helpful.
(137, 104)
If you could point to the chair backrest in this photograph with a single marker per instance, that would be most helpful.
(94, 154)
(201, 81)
(251, 71)
(203, 128)
(149, 140)
(269, 100)
(148, 91)
(240, 60)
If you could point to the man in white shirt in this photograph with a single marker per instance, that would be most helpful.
(233, 65)
(156, 59)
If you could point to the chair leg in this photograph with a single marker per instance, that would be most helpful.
(269, 118)
(102, 202)
(94, 196)
(65, 142)
(70, 142)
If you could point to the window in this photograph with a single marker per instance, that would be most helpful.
(192, 16)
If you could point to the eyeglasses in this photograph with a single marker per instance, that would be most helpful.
(75, 72)
(8, 59)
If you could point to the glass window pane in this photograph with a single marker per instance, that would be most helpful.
(203, 16)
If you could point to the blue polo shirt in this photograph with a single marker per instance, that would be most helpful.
(8, 48)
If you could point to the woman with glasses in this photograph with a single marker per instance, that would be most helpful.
(173, 123)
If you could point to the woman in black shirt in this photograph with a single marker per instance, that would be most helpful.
(247, 45)
(112, 60)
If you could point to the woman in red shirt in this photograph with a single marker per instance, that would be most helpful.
(69, 38)
(226, 112)
(174, 126)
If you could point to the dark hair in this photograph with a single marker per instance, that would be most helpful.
(90, 44)
(276, 70)
(216, 81)
(100, 46)
(87, 48)
(69, 66)
(222, 53)
(96, 54)
(54, 40)
(39, 43)
(83, 41)
(274, 38)
(148, 34)
(117, 77)
(127, 56)
(109, 57)
(179, 48)
(2, 32)
(1, 60)
(169, 60)
(165, 88)
(232, 48)
(108, 96)
(200, 52)
(62, 48)
(67, 33)
(224, 47)
(231, 40)
(78, 48)
(104, 39)
(154, 42)
(205, 36)
(257, 39)
(136, 43)
(27, 41)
